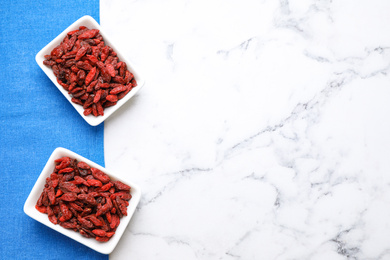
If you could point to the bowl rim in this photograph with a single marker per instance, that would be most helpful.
(30, 210)
(92, 24)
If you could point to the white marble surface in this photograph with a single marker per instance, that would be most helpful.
(262, 131)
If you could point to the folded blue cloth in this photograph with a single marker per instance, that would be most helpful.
(35, 118)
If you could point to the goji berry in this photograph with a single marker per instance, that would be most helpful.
(121, 186)
(52, 217)
(102, 239)
(66, 170)
(80, 60)
(90, 76)
(84, 65)
(51, 195)
(99, 232)
(41, 209)
(106, 207)
(88, 34)
(97, 222)
(106, 187)
(111, 70)
(109, 234)
(99, 108)
(68, 187)
(122, 206)
(112, 98)
(118, 89)
(82, 51)
(97, 96)
(69, 196)
(83, 204)
(95, 183)
(63, 162)
(84, 222)
(66, 213)
(59, 193)
(101, 176)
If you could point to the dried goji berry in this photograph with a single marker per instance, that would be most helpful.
(78, 180)
(112, 98)
(92, 59)
(68, 225)
(84, 222)
(90, 76)
(68, 187)
(123, 195)
(106, 187)
(87, 198)
(114, 221)
(110, 70)
(118, 89)
(66, 213)
(52, 217)
(41, 209)
(109, 104)
(95, 183)
(99, 108)
(104, 53)
(109, 234)
(83, 204)
(59, 193)
(69, 196)
(106, 207)
(97, 222)
(81, 59)
(66, 170)
(97, 96)
(99, 232)
(63, 162)
(122, 206)
(51, 195)
(57, 52)
(123, 94)
(102, 239)
(88, 34)
(80, 77)
(75, 206)
(108, 216)
(121, 186)
(82, 51)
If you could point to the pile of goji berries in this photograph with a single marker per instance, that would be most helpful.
(90, 71)
(79, 197)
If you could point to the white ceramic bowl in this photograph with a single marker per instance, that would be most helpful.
(101, 247)
(91, 23)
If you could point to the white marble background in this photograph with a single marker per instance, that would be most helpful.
(262, 131)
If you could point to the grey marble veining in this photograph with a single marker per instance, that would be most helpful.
(261, 131)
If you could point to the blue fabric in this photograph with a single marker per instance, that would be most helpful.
(35, 118)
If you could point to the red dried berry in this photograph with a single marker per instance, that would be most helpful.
(99, 232)
(80, 60)
(94, 183)
(69, 196)
(88, 34)
(112, 98)
(75, 198)
(121, 186)
(82, 51)
(99, 175)
(102, 239)
(41, 209)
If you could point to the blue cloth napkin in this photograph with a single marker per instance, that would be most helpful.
(35, 118)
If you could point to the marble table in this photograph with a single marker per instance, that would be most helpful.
(262, 131)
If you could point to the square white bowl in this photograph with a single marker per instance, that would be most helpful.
(101, 247)
(91, 23)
